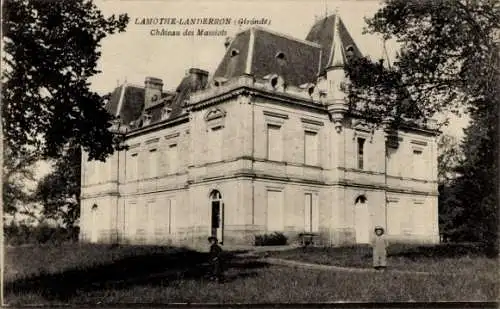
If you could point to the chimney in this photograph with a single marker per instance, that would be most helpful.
(153, 88)
(199, 75)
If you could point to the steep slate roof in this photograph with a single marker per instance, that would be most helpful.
(112, 105)
(324, 32)
(257, 51)
(126, 101)
(192, 82)
(253, 51)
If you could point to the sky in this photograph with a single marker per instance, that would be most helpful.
(135, 54)
(132, 55)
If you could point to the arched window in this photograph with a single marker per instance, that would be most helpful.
(215, 195)
(217, 209)
(361, 199)
(94, 228)
(234, 52)
(281, 56)
(362, 221)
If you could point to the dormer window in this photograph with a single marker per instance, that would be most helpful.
(219, 81)
(281, 56)
(309, 87)
(165, 113)
(274, 81)
(234, 52)
(147, 119)
(349, 50)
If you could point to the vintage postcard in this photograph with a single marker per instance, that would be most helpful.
(248, 172)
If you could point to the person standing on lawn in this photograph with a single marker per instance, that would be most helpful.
(379, 249)
(215, 259)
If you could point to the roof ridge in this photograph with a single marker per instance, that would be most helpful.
(251, 43)
(120, 100)
(287, 36)
(135, 85)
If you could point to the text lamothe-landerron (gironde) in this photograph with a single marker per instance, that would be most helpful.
(200, 21)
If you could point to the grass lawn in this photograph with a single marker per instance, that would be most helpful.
(445, 259)
(91, 274)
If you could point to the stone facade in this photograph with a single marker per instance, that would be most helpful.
(251, 155)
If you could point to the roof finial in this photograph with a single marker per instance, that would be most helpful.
(326, 9)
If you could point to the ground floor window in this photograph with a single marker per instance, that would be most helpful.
(311, 215)
(275, 220)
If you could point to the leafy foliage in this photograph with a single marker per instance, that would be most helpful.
(59, 191)
(446, 60)
(16, 171)
(449, 62)
(51, 49)
(450, 156)
(274, 239)
(21, 234)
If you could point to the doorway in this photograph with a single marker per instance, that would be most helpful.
(362, 220)
(217, 215)
(94, 232)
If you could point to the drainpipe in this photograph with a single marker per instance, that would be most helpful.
(386, 127)
(253, 160)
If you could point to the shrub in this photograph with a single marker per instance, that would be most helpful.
(274, 239)
(21, 234)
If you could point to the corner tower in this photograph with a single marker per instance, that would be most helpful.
(337, 48)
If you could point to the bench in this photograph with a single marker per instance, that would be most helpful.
(306, 239)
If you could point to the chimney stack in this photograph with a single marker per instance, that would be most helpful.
(199, 75)
(153, 88)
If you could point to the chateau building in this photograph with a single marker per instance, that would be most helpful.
(265, 144)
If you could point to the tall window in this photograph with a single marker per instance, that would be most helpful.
(171, 210)
(131, 219)
(151, 222)
(311, 217)
(132, 162)
(173, 163)
(94, 232)
(215, 144)
(392, 161)
(274, 143)
(361, 150)
(153, 163)
(417, 163)
(311, 148)
(142, 217)
(419, 217)
(275, 215)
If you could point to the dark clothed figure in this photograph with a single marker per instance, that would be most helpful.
(215, 256)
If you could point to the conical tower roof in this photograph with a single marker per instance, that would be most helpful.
(336, 42)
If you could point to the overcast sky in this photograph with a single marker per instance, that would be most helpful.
(135, 54)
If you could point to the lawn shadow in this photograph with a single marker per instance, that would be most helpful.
(159, 268)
